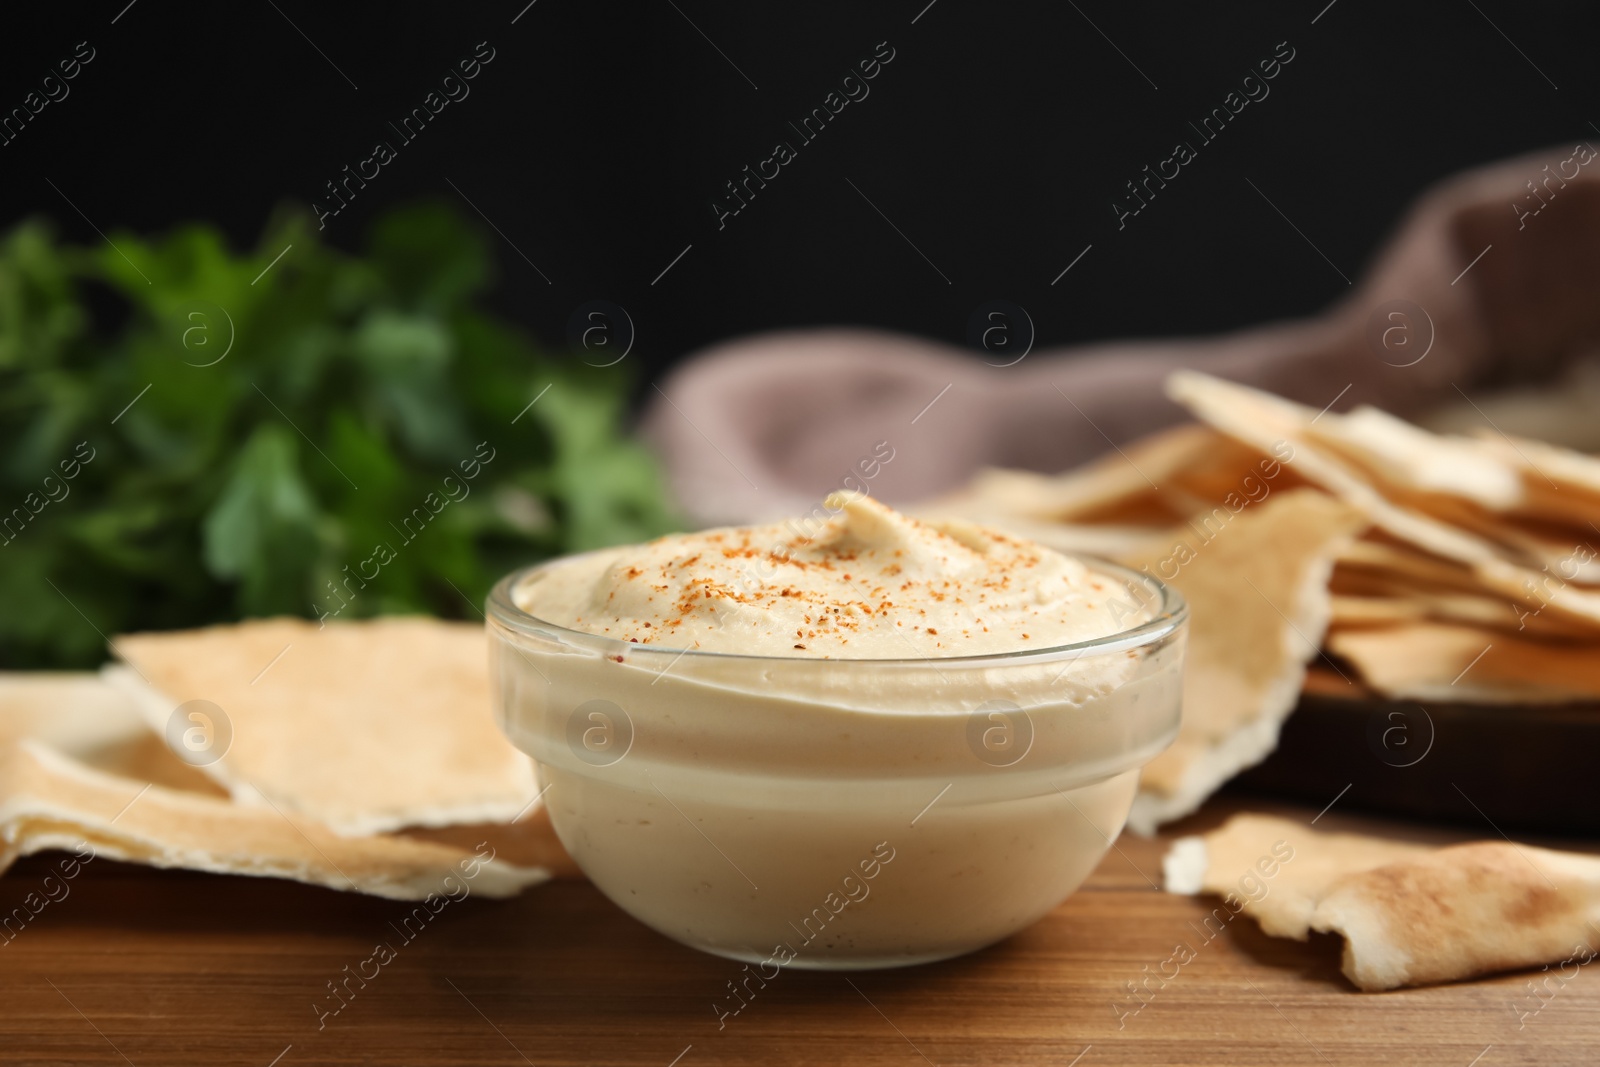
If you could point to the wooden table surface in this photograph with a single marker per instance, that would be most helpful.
(149, 967)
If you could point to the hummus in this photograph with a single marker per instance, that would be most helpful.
(870, 583)
(732, 723)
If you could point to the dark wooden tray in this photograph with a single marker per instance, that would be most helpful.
(1529, 768)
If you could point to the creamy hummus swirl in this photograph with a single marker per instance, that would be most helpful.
(864, 583)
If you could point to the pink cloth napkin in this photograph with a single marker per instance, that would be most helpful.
(1493, 276)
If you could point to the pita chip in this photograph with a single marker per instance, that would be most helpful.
(1275, 869)
(1409, 914)
(530, 841)
(1258, 598)
(82, 715)
(1095, 494)
(1266, 422)
(1406, 564)
(364, 727)
(1463, 911)
(1537, 539)
(1352, 611)
(1542, 590)
(1541, 461)
(50, 801)
(1259, 418)
(1428, 471)
(98, 724)
(1228, 467)
(1559, 482)
(1122, 487)
(1098, 493)
(1449, 661)
(1411, 460)
(1104, 541)
(1139, 485)
(1362, 598)
(68, 710)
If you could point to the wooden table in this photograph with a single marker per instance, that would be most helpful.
(146, 967)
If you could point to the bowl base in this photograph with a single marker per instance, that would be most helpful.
(836, 963)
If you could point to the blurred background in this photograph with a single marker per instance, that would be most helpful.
(996, 141)
(277, 340)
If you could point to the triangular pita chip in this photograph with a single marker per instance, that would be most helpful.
(1258, 599)
(363, 726)
(1555, 546)
(1366, 598)
(1412, 460)
(1348, 610)
(84, 716)
(1147, 484)
(1265, 421)
(1559, 482)
(76, 712)
(1541, 591)
(1447, 661)
(1121, 487)
(1402, 561)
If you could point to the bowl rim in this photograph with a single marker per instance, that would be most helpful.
(1172, 612)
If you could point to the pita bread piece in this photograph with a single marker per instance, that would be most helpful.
(1138, 485)
(362, 726)
(1411, 460)
(1302, 862)
(1401, 562)
(1410, 914)
(1559, 482)
(1257, 589)
(1230, 468)
(1351, 611)
(1543, 591)
(1538, 542)
(530, 841)
(1463, 911)
(1363, 598)
(1266, 422)
(1073, 539)
(1096, 495)
(66, 710)
(1167, 477)
(51, 801)
(1449, 661)
(83, 716)
(1259, 419)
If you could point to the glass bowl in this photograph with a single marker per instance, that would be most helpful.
(838, 813)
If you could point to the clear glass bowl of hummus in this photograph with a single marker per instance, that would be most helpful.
(840, 806)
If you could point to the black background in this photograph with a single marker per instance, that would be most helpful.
(996, 141)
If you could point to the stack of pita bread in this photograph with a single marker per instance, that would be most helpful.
(359, 756)
(1424, 566)
(1417, 565)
